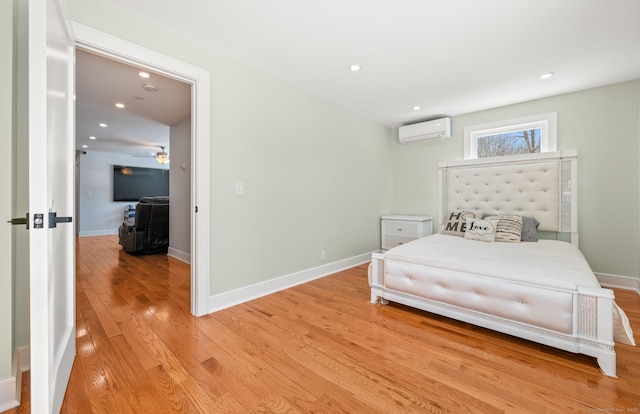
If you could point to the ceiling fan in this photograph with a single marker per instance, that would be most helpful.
(162, 157)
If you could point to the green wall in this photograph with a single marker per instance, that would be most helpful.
(7, 346)
(21, 172)
(316, 176)
(14, 276)
(314, 172)
(602, 124)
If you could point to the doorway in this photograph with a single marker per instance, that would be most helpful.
(199, 205)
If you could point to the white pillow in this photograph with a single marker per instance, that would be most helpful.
(480, 229)
(509, 228)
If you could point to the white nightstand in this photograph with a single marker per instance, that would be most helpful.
(398, 229)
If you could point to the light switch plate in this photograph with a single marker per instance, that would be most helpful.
(239, 187)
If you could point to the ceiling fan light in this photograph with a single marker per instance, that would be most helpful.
(162, 157)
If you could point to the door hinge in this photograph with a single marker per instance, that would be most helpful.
(54, 220)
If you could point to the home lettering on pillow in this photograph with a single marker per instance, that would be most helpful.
(455, 219)
(456, 224)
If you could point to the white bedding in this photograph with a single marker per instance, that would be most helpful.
(536, 262)
(546, 263)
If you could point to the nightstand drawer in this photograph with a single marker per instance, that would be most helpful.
(400, 228)
(389, 242)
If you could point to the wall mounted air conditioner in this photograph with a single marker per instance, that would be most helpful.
(425, 131)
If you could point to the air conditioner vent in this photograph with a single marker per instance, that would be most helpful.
(425, 131)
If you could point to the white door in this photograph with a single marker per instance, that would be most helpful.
(51, 164)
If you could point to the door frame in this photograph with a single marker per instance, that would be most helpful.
(199, 79)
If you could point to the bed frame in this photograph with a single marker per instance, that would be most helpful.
(543, 186)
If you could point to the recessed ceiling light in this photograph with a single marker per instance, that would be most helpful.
(119, 105)
(546, 75)
(103, 125)
(144, 75)
(416, 108)
(92, 137)
(85, 146)
(354, 68)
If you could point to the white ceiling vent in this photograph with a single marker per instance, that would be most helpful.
(425, 131)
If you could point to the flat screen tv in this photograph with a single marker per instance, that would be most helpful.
(133, 183)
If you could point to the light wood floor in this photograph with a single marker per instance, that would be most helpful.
(319, 347)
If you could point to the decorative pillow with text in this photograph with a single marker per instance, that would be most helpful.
(481, 229)
(456, 223)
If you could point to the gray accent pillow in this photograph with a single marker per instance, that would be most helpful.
(529, 229)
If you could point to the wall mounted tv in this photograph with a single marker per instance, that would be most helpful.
(133, 183)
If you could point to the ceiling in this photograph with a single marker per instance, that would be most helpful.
(446, 57)
(142, 126)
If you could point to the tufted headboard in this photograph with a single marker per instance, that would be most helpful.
(543, 186)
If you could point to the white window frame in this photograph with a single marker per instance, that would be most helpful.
(546, 122)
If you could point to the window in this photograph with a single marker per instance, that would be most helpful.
(516, 136)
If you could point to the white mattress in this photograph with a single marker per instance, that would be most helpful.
(547, 263)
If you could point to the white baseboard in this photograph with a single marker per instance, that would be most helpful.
(235, 297)
(180, 255)
(90, 233)
(10, 392)
(11, 388)
(619, 282)
(24, 358)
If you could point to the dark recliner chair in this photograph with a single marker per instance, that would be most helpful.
(150, 232)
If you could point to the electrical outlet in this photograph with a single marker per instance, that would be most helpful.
(323, 255)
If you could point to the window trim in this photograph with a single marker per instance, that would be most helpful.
(546, 122)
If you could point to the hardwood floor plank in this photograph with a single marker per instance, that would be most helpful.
(157, 350)
(150, 400)
(317, 347)
(110, 369)
(261, 365)
(103, 314)
(169, 396)
(365, 360)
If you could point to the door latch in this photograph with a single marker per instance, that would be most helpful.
(38, 220)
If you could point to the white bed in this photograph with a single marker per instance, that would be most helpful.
(542, 291)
